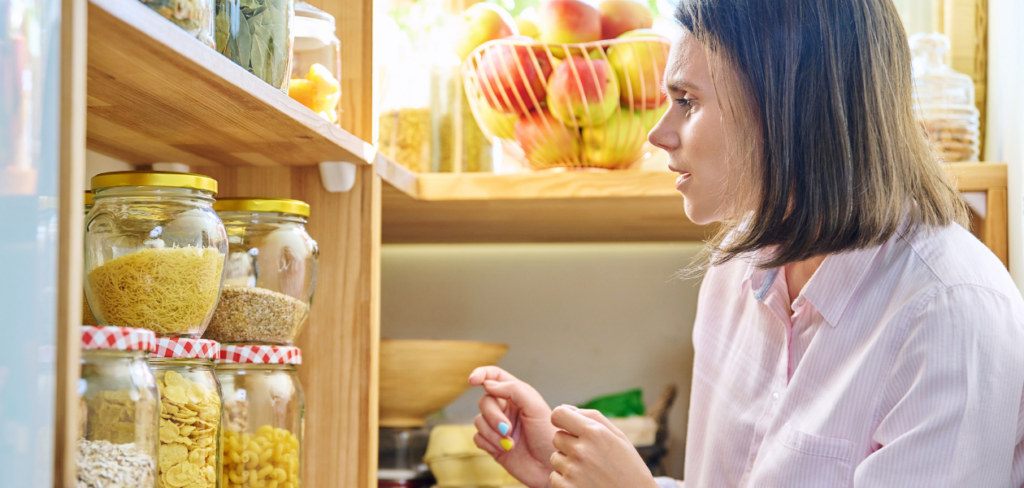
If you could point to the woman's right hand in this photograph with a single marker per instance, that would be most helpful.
(514, 426)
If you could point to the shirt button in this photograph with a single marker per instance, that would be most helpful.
(775, 398)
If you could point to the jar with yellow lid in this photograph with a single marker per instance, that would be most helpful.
(154, 252)
(270, 273)
(264, 416)
(87, 317)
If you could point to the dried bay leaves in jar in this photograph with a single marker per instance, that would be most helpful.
(255, 35)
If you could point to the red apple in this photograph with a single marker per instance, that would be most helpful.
(621, 16)
(546, 141)
(481, 23)
(616, 144)
(640, 68)
(583, 92)
(509, 77)
(494, 122)
(568, 22)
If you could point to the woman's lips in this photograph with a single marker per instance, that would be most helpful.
(683, 178)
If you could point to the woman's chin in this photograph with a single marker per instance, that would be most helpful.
(698, 215)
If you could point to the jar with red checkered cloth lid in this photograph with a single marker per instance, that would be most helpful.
(263, 403)
(190, 412)
(117, 403)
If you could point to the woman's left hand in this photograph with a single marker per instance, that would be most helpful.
(593, 453)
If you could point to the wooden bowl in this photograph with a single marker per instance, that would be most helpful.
(418, 378)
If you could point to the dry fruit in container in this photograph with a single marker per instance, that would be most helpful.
(316, 62)
(117, 403)
(194, 16)
(943, 100)
(270, 271)
(190, 412)
(256, 35)
(264, 415)
(154, 252)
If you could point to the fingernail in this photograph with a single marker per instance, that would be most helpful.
(507, 444)
(570, 407)
(503, 428)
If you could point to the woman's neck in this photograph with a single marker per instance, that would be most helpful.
(799, 273)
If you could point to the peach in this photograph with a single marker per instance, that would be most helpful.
(568, 22)
(547, 142)
(616, 144)
(481, 23)
(509, 77)
(494, 122)
(527, 27)
(583, 92)
(621, 16)
(639, 69)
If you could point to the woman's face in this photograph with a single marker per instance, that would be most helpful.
(695, 136)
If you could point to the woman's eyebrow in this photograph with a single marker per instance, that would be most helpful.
(679, 86)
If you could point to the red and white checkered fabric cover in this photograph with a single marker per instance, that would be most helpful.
(260, 354)
(185, 348)
(117, 338)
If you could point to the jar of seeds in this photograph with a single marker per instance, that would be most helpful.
(118, 401)
(270, 273)
(264, 415)
(190, 412)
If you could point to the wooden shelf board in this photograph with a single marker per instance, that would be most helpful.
(624, 206)
(155, 94)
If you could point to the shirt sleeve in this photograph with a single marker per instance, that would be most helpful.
(668, 483)
(949, 415)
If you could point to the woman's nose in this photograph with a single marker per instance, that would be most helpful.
(663, 135)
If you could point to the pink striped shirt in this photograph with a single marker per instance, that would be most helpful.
(900, 365)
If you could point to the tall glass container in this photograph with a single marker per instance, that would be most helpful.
(154, 252)
(87, 317)
(255, 34)
(118, 402)
(264, 412)
(316, 62)
(944, 100)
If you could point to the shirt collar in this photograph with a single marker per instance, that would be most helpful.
(829, 290)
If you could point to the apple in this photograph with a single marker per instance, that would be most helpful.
(568, 22)
(653, 116)
(504, 86)
(527, 27)
(621, 16)
(616, 144)
(597, 101)
(640, 68)
(494, 122)
(546, 141)
(481, 23)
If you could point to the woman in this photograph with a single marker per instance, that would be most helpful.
(850, 331)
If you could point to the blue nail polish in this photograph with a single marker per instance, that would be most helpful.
(503, 428)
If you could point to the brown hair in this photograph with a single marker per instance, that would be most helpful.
(841, 160)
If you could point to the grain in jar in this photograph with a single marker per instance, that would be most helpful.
(190, 412)
(154, 252)
(117, 403)
(271, 271)
(264, 415)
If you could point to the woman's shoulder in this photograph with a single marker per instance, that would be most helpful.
(955, 258)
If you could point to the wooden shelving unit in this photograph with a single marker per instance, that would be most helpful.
(624, 206)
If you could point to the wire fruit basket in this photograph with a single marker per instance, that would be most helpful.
(575, 106)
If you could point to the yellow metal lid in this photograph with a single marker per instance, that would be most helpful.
(88, 197)
(279, 205)
(154, 178)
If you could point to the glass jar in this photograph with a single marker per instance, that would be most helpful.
(154, 252)
(195, 16)
(255, 35)
(944, 100)
(190, 412)
(87, 317)
(264, 415)
(117, 402)
(270, 273)
(316, 62)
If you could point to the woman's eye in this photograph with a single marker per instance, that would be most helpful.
(685, 103)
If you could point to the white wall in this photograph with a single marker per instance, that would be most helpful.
(1004, 137)
(582, 320)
